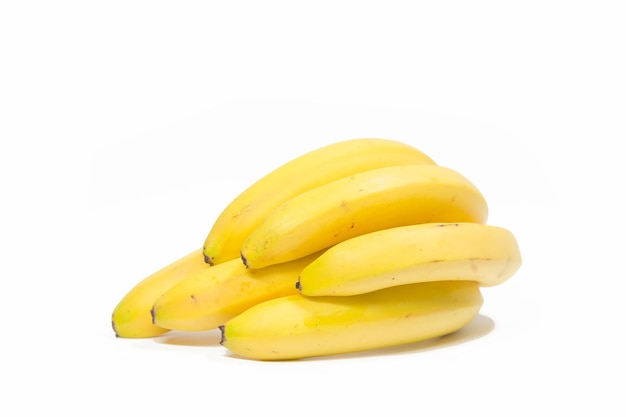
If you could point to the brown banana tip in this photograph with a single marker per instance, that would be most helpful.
(244, 260)
(298, 285)
(114, 329)
(207, 259)
(223, 338)
(153, 315)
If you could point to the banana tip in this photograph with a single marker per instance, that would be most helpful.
(152, 315)
(244, 260)
(223, 337)
(207, 259)
(114, 328)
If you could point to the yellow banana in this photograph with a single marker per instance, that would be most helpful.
(297, 326)
(131, 317)
(307, 171)
(365, 202)
(426, 252)
(213, 295)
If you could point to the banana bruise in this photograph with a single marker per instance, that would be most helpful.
(310, 170)
(411, 254)
(131, 317)
(296, 326)
(215, 294)
(362, 203)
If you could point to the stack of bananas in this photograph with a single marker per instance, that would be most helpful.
(358, 245)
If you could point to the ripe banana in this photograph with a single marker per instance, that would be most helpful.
(131, 317)
(365, 202)
(411, 254)
(297, 326)
(213, 295)
(320, 166)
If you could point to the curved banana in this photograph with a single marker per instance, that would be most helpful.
(215, 294)
(307, 171)
(296, 326)
(131, 317)
(365, 202)
(426, 252)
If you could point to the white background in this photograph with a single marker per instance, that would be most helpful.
(127, 126)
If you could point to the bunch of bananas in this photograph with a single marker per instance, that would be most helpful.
(358, 245)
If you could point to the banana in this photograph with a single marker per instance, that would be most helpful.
(364, 202)
(296, 326)
(411, 254)
(317, 167)
(213, 295)
(131, 317)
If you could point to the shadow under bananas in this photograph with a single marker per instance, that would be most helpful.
(206, 338)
